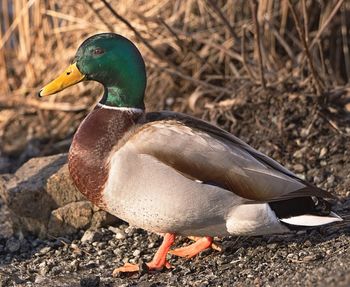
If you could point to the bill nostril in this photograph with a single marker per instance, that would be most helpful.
(68, 73)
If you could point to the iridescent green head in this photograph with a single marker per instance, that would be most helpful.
(111, 60)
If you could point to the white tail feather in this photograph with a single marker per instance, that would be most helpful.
(312, 220)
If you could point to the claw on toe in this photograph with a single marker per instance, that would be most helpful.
(216, 247)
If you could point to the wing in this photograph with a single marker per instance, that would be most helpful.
(204, 152)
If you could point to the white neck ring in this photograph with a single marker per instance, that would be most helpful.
(126, 109)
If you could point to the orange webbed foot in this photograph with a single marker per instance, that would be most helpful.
(192, 250)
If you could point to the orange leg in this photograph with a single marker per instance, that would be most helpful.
(192, 250)
(158, 261)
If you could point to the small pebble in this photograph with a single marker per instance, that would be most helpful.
(136, 253)
(74, 246)
(323, 152)
(56, 270)
(130, 230)
(39, 279)
(120, 235)
(272, 245)
(114, 229)
(309, 258)
(298, 168)
(317, 179)
(43, 271)
(91, 264)
(331, 179)
(13, 245)
(91, 236)
(45, 250)
(347, 107)
(117, 252)
(169, 101)
(74, 265)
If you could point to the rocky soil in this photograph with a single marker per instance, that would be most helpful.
(313, 258)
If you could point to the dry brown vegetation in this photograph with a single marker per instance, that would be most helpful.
(203, 56)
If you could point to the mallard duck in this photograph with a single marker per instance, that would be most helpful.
(171, 173)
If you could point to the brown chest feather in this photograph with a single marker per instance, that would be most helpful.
(92, 144)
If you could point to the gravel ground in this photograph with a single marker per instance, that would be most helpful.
(318, 257)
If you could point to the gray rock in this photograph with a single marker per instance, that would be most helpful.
(61, 188)
(91, 236)
(42, 200)
(101, 218)
(70, 218)
(26, 197)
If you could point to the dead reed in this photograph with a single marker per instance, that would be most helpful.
(199, 53)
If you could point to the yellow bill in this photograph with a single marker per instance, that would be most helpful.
(68, 78)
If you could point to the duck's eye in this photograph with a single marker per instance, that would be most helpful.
(98, 51)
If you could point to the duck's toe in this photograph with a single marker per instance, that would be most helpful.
(192, 250)
(154, 265)
(214, 245)
(128, 267)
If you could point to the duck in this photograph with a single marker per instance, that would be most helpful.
(171, 173)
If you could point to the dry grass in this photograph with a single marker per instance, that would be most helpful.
(200, 55)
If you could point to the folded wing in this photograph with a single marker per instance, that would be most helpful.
(204, 152)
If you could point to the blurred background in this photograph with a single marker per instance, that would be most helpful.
(274, 73)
